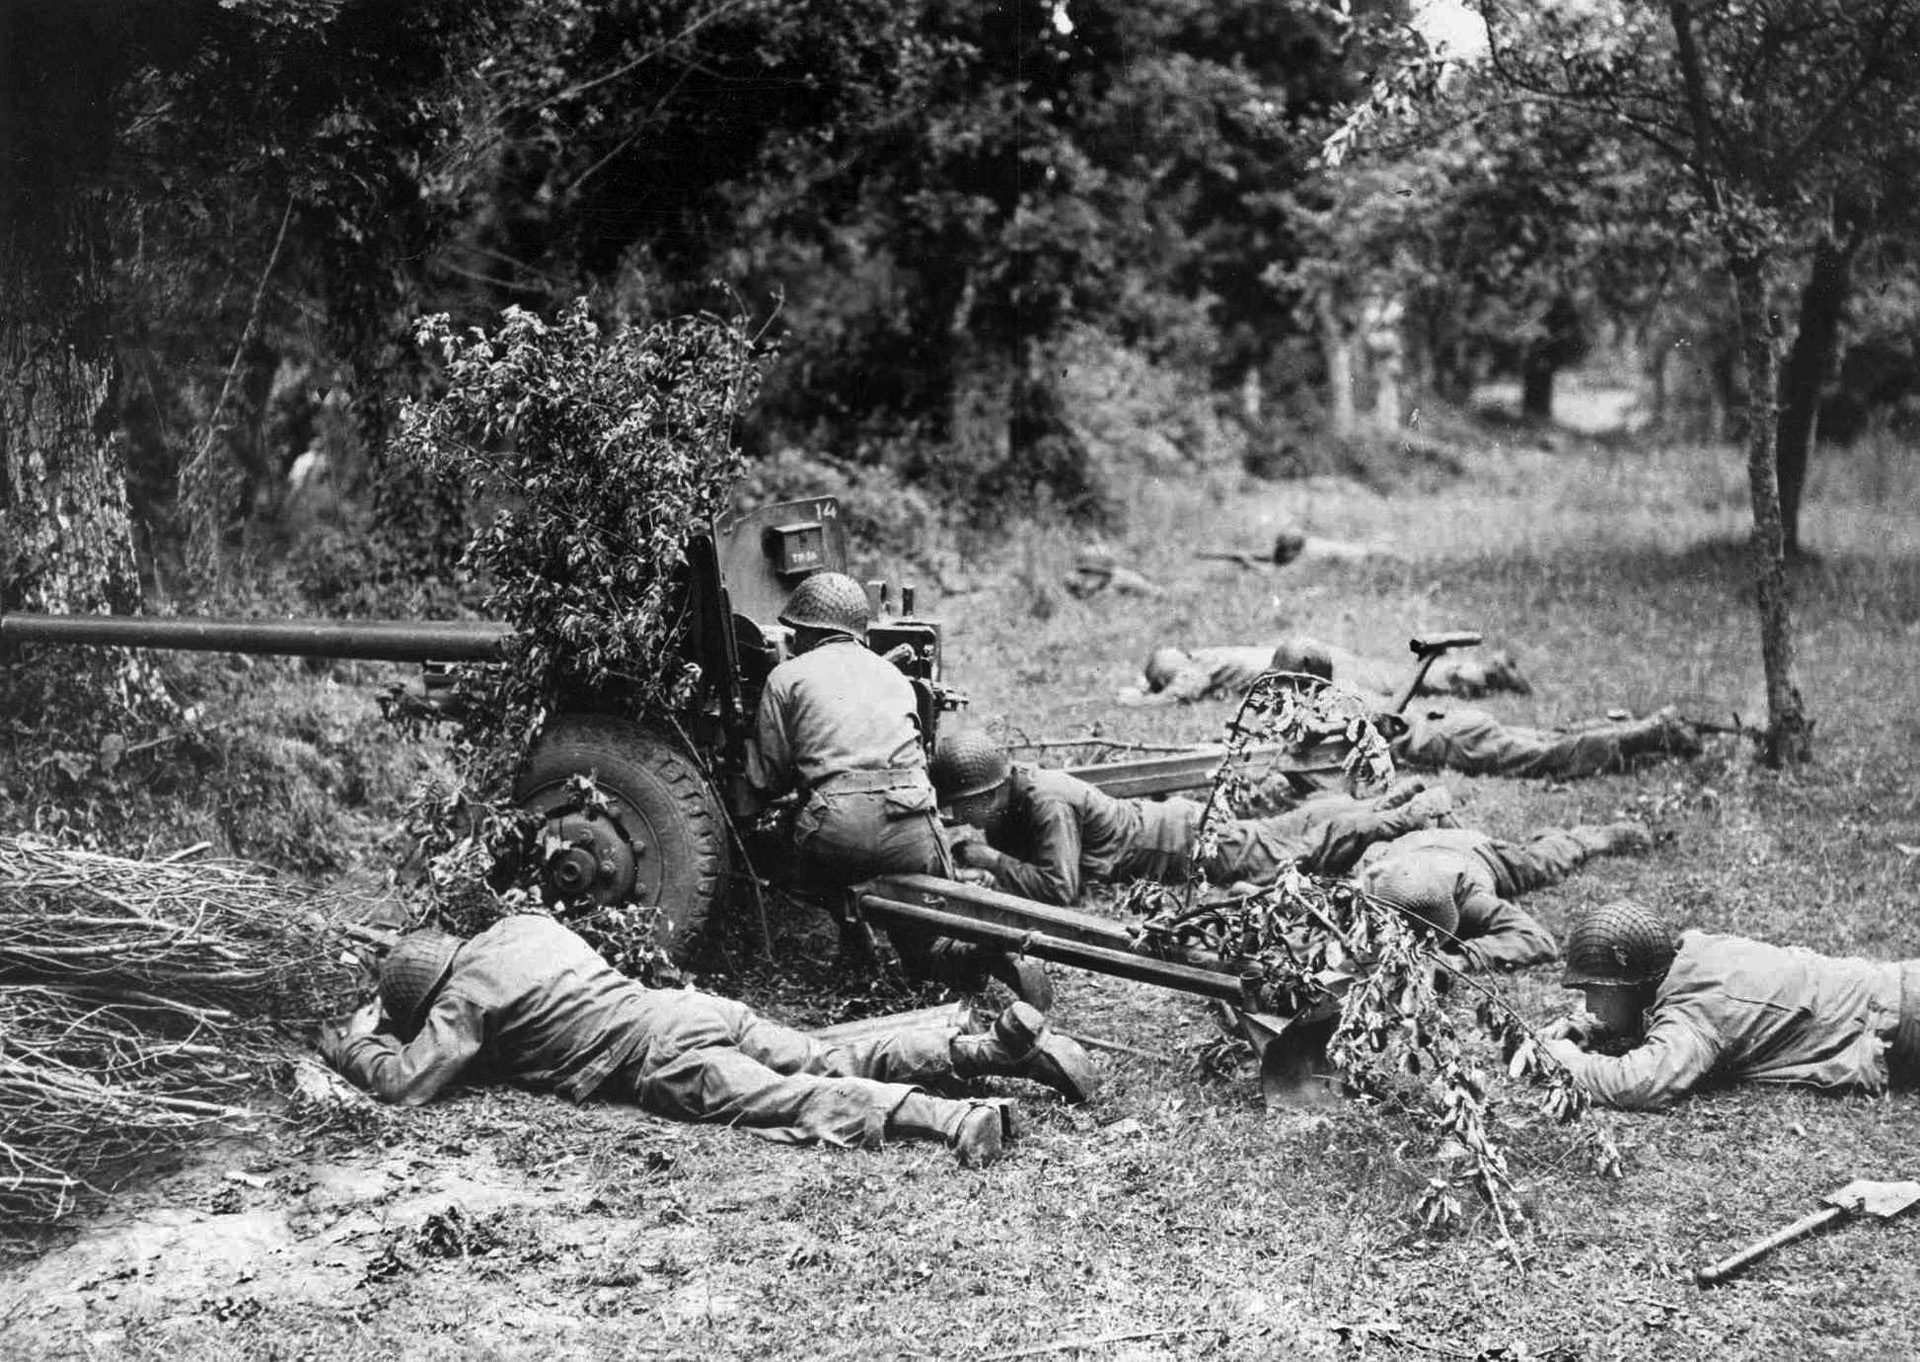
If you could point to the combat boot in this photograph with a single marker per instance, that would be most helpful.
(1025, 978)
(1022, 1045)
(1627, 838)
(1661, 731)
(1433, 808)
(977, 1132)
(1398, 793)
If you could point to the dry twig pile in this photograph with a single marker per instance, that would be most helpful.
(139, 1001)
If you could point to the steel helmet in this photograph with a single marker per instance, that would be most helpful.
(968, 763)
(1423, 894)
(412, 973)
(1305, 655)
(1163, 665)
(829, 601)
(1622, 944)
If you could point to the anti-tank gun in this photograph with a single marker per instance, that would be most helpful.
(658, 832)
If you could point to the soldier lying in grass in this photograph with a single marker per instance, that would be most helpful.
(1466, 739)
(1704, 1008)
(1470, 879)
(1044, 833)
(1174, 675)
(528, 1001)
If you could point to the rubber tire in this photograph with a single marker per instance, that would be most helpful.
(682, 865)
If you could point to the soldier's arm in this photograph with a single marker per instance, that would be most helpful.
(1189, 683)
(1504, 936)
(413, 1074)
(1053, 876)
(1673, 1059)
(769, 757)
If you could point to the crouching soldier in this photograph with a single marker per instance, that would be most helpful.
(1470, 878)
(1705, 1008)
(840, 724)
(528, 1001)
(1045, 833)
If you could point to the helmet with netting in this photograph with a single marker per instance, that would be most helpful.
(1622, 944)
(1163, 664)
(1306, 656)
(968, 763)
(1422, 893)
(412, 973)
(829, 601)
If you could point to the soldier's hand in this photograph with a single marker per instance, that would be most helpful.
(980, 879)
(1574, 1030)
(363, 1022)
(1565, 1051)
(975, 854)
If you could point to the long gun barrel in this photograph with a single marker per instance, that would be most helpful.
(371, 640)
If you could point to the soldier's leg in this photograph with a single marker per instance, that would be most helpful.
(1550, 856)
(1473, 741)
(1324, 837)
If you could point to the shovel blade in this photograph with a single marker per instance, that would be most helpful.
(1883, 1199)
(1293, 1059)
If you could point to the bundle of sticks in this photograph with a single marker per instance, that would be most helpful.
(139, 1003)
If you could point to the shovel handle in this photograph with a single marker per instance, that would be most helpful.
(1799, 1229)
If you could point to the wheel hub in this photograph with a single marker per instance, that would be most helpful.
(596, 858)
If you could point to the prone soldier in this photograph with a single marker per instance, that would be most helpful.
(1045, 833)
(1704, 1007)
(527, 1000)
(1465, 877)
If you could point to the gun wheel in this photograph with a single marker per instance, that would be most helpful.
(661, 837)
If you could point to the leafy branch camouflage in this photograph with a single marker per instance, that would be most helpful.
(586, 460)
(1304, 945)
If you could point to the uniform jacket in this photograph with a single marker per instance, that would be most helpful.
(527, 1001)
(1733, 1009)
(1211, 673)
(1061, 831)
(836, 708)
(1495, 934)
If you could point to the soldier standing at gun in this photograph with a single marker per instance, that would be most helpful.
(839, 724)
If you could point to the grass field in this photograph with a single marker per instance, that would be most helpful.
(1173, 1217)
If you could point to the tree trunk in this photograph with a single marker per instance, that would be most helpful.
(65, 527)
(1789, 736)
(1336, 343)
(1536, 389)
(1809, 361)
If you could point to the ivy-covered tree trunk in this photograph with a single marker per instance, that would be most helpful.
(1789, 736)
(1808, 362)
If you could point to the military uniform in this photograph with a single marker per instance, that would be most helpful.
(527, 1001)
(1482, 875)
(1474, 742)
(1059, 832)
(1732, 1009)
(1215, 673)
(840, 723)
(1461, 675)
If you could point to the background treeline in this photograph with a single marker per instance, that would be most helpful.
(999, 250)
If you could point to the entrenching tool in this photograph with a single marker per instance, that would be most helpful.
(1860, 1197)
(1428, 649)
